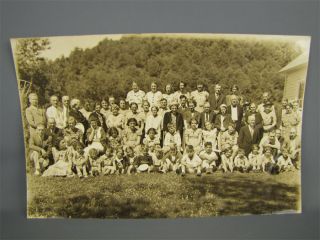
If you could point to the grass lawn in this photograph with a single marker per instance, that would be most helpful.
(163, 195)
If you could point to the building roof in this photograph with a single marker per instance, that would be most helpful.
(296, 63)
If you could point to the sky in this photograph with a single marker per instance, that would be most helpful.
(63, 45)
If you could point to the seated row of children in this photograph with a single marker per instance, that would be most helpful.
(71, 160)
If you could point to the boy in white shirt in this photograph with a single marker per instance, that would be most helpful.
(284, 161)
(209, 158)
(190, 162)
(255, 158)
(241, 162)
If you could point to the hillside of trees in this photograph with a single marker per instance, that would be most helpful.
(111, 66)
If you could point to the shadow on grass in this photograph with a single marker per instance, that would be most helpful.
(97, 206)
(244, 196)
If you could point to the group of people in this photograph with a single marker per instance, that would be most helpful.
(180, 131)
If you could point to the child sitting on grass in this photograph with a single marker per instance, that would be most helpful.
(241, 162)
(172, 159)
(131, 158)
(209, 158)
(120, 161)
(115, 140)
(151, 140)
(157, 158)
(190, 162)
(193, 136)
(284, 162)
(143, 162)
(226, 160)
(107, 162)
(95, 162)
(255, 158)
(267, 160)
(172, 137)
(79, 161)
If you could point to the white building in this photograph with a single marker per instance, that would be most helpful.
(296, 74)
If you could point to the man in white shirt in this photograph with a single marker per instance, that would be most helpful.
(54, 111)
(154, 96)
(200, 96)
(135, 95)
(270, 141)
(65, 109)
(235, 111)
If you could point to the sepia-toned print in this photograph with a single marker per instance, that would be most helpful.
(162, 125)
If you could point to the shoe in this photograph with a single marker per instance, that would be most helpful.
(198, 174)
(37, 173)
(183, 174)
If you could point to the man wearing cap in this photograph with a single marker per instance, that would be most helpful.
(223, 119)
(207, 115)
(200, 96)
(236, 112)
(34, 114)
(217, 98)
(173, 117)
(249, 135)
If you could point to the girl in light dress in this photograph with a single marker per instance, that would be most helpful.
(210, 135)
(96, 137)
(226, 160)
(172, 137)
(151, 139)
(63, 162)
(107, 162)
(132, 135)
(255, 158)
(114, 139)
(154, 120)
(80, 161)
(193, 136)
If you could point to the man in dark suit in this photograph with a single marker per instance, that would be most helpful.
(216, 99)
(249, 135)
(235, 111)
(53, 136)
(207, 115)
(173, 117)
(78, 116)
(222, 120)
(191, 114)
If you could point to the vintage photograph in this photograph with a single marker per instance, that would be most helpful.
(162, 125)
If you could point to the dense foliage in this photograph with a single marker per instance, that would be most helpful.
(111, 66)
